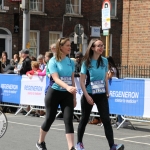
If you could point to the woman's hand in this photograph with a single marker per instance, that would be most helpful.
(107, 95)
(71, 89)
(75, 102)
(30, 76)
(35, 72)
(89, 100)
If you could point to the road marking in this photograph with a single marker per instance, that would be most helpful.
(94, 135)
(134, 137)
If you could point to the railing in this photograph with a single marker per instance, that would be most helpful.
(133, 71)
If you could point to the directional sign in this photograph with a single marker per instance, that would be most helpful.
(106, 21)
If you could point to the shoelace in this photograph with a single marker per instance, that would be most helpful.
(81, 145)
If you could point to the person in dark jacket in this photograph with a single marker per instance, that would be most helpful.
(4, 60)
(0, 67)
(78, 57)
(26, 64)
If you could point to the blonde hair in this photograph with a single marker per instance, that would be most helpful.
(60, 43)
(35, 64)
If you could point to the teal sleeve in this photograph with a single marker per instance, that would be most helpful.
(52, 66)
(83, 68)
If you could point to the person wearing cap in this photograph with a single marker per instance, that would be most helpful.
(26, 63)
(78, 57)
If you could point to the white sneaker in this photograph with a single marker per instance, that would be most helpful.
(79, 146)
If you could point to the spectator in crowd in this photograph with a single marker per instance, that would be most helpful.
(15, 60)
(48, 56)
(40, 59)
(4, 60)
(0, 67)
(113, 70)
(35, 68)
(53, 48)
(78, 57)
(33, 58)
(19, 65)
(26, 64)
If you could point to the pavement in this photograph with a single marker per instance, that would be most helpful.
(23, 133)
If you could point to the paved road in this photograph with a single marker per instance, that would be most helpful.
(23, 132)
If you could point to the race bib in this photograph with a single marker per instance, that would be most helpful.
(98, 87)
(67, 80)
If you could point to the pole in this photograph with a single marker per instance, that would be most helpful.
(26, 28)
(80, 47)
(107, 46)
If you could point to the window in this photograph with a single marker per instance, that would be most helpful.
(114, 8)
(53, 37)
(34, 43)
(1, 4)
(73, 7)
(37, 5)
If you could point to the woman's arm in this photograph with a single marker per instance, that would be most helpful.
(82, 83)
(106, 85)
(110, 74)
(70, 89)
(74, 95)
(43, 73)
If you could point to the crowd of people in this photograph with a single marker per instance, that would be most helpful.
(94, 71)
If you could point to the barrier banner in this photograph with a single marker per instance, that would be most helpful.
(147, 99)
(127, 97)
(33, 90)
(10, 86)
(130, 97)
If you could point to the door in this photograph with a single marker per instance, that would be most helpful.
(2, 46)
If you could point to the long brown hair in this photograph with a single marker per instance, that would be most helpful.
(5, 53)
(60, 43)
(89, 53)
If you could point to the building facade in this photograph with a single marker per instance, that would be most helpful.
(51, 19)
(136, 28)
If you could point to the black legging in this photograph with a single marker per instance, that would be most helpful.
(53, 99)
(101, 102)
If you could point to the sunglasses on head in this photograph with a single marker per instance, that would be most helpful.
(61, 39)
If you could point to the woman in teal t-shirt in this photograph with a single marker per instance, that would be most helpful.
(94, 73)
(61, 92)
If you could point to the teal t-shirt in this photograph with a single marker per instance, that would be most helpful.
(64, 68)
(95, 74)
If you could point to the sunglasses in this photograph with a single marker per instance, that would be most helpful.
(61, 40)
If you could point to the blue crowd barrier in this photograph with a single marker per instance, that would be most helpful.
(129, 97)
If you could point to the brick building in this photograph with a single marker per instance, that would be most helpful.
(51, 19)
(136, 29)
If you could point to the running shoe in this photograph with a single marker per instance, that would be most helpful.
(117, 147)
(41, 146)
(79, 146)
(72, 148)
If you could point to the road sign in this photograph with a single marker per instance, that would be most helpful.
(105, 32)
(106, 21)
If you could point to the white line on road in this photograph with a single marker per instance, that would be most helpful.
(121, 139)
(134, 137)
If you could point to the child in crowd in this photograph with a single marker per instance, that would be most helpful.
(35, 68)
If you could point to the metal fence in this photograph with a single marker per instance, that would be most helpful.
(134, 71)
